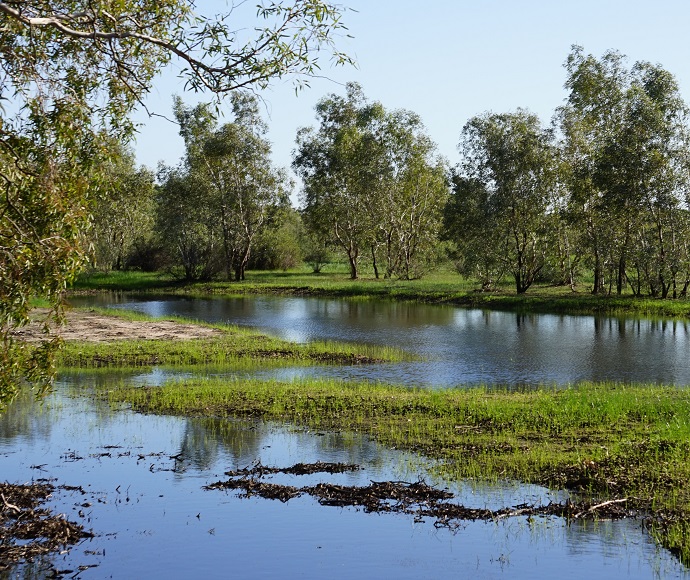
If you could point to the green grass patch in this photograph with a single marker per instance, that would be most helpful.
(232, 346)
(442, 287)
(603, 440)
(39, 302)
(123, 280)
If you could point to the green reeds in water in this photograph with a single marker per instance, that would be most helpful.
(600, 439)
(227, 349)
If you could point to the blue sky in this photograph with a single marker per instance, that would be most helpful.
(448, 60)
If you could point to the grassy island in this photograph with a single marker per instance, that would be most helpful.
(611, 443)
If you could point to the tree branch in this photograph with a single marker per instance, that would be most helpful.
(216, 78)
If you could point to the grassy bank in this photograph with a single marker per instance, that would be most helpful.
(608, 441)
(232, 346)
(436, 288)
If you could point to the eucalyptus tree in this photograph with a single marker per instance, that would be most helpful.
(342, 168)
(229, 166)
(413, 197)
(506, 180)
(123, 210)
(316, 249)
(474, 228)
(590, 116)
(655, 149)
(372, 183)
(279, 246)
(74, 68)
(188, 225)
(625, 138)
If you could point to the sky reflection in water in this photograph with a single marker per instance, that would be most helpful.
(154, 522)
(460, 346)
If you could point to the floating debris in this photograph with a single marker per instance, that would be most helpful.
(417, 498)
(298, 469)
(26, 529)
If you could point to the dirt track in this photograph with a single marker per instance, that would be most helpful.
(84, 325)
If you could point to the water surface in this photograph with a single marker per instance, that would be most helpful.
(461, 346)
(152, 518)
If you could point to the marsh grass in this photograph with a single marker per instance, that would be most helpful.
(232, 346)
(441, 287)
(602, 440)
(123, 280)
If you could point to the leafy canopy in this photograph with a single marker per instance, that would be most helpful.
(71, 72)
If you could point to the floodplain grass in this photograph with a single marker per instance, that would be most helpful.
(440, 287)
(603, 440)
(39, 302)
(232, 346)
(129, 280)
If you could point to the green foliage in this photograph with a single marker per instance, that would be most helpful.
(123, 212)
(500, 211)
(278, 244)
(339, 166)
(187, 226)
(611, 195)
(627, 168)
(74, 71)
(316, 250)
(470, 225)
(371, 184)
(213, 206)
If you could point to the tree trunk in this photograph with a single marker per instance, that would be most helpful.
(373, 260)
(620, 278)
(675, 286)
(598, 278)
(241, 266)
(518, 281)
(353, 267)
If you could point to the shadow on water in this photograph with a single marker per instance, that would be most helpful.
(460, 346)
(138, 483)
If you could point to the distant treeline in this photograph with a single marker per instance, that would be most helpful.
(603, 191)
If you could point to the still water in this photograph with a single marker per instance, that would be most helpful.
(460, 346)
(153, 519)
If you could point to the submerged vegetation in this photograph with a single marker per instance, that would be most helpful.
(608, 442)
(28, 528)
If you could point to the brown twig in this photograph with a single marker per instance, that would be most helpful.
(599, 505)
(9, 505)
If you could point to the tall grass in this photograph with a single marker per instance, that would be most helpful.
(123, 280)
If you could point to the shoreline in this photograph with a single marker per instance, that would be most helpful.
(541, 299)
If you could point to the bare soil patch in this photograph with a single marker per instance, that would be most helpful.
(85, 325)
